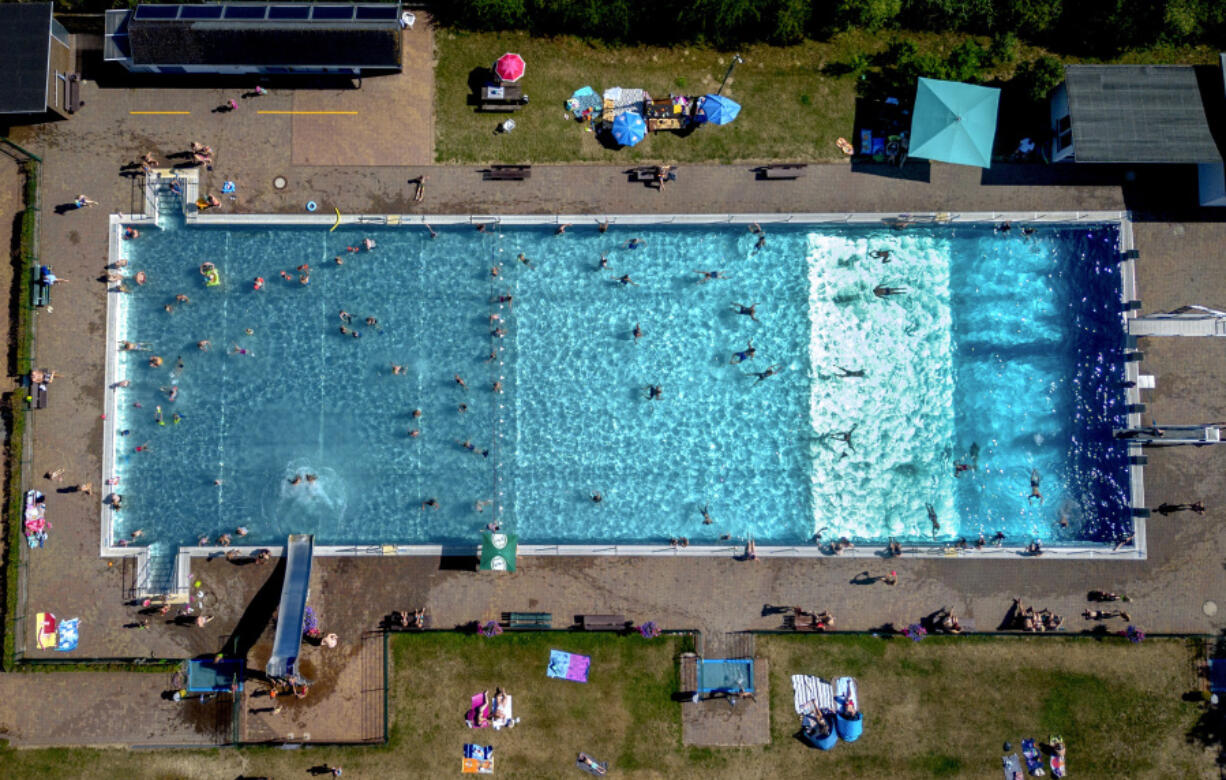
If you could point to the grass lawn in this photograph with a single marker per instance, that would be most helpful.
(792, 108)
(941, 707)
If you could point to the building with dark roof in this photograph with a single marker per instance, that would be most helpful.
(228, 38)
(36, 62)
(1138, 114)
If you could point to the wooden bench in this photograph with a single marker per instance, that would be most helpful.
(36, 395)
(508, 172)
(782, 172)
(531, 621)
(72, 101)
(507, 107)
(603, 622)
(643, 174)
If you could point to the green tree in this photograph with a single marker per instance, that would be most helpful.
(1037, 78)
(867, 14)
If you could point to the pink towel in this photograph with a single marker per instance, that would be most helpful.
(479, 711)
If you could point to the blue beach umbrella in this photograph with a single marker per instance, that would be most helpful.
(718, 110)
(954, 122)
(629, 128)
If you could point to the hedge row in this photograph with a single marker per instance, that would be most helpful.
(1096, 28)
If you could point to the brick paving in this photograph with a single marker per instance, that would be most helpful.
(1178, 242)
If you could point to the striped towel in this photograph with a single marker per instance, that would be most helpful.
(807, 689)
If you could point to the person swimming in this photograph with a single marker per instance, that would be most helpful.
(1034, 486)
(932, 518)
(624, 280)
(655, 392)
(706, 276)
(767, 374)
(882, 291)
(706, 515)
(750, 311)
(637, 333)
(848, 374)
(745, 354)
(880, 254)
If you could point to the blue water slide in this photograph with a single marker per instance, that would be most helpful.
(299, 549)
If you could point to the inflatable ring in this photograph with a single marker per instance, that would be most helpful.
(311, 205)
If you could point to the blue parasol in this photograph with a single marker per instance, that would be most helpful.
(629, 128)
(954, 122)
(718, 110)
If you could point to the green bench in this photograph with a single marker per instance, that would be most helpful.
(527, 620)
(40, 294)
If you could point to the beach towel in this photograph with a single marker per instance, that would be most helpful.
(69, 634)
(568, 666)
(479, 713)
(1058, 766)
(591, 765)
(1034, 761)
(503, 718)
(45, 627)
(478, 760)
(810, 693)
(1013, 767)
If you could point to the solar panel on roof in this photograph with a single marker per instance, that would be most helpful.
(332, 12)
(246, 11)
(289, 11)
(377, 12)
(200, 12)
(157, 11)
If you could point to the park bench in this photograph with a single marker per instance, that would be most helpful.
(603, 622)
(36, 395)
(527, 620)
(40, 294)
(781, 172)
(508, 172)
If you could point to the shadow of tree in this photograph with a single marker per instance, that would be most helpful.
(1209, 731)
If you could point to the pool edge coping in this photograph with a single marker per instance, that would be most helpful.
(181, 572)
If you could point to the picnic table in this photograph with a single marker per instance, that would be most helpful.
(666, 114)
(507, 97)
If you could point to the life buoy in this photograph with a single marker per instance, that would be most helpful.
(311, 205)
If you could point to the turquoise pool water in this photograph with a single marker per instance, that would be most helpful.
(1006, 343)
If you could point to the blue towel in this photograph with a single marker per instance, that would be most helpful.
(68, 635)
(1033, 760)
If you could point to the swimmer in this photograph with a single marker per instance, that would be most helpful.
(880, 254)
(468, 445)
(414, 433)
(462, 408)
(483, 503)
(844, 436)
(999, 538)
(397, 369)
(497, 386)
(155, 361)
(624, 280)
(430, 502)
(130, 233)
(1034, 486)
(637, 333)
(178, 366)
(634, 243)
(305, 268)
(482, 227)
(249, 332)
(338, 260)
(603, 227)
(858, 374)
(181, 298)
(239, 350)
(312, 479)
(767, 374)
(122, 383)
(761, 242)
(597, 497)
(344, 331)
(224, 540)
(1003, 227)
(706, 276)
(755, 228)
(371, 321)
(604, 263)
(417, 414)
(141, 278)
(460, 381)
(750, 311)
(706, 515)
(241, 530)
(357, 334)
(287, 277)
(523, 259)
(1063, 522)
(304, 279)
(498, 333)
(296, 480)
(882, 291)
(202, 541)
(368, 243)
(932, 518)
(169, 309)
(433, 233)
(492, 356)
(655, 392)
(561, 229)
(745, 354)
(345, 316)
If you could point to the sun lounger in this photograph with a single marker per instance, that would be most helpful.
(1034, 760)
(1013, 767)
(849, 727)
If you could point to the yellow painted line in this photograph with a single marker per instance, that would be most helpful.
(175, 113)
(314, 113)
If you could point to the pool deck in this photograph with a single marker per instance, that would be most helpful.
(1179, 246)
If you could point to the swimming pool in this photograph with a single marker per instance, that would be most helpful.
(1004, 356)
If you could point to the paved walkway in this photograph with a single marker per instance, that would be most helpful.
(85, 154)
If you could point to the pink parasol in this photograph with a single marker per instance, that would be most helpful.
(509, 67)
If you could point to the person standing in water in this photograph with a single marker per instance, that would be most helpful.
(637, 333)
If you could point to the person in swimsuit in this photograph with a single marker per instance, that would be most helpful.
(624, 280)
(769, 372)
(460, 381)
(880, 254)
(932, 518)
(858, 374)
(750, 311)
(706, 276)
(882, 291)
(706, 515)
(1034, 486)
(745, 354)
(655, 393)
(637, 333)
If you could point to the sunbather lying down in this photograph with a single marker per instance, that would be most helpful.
(591, 764)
